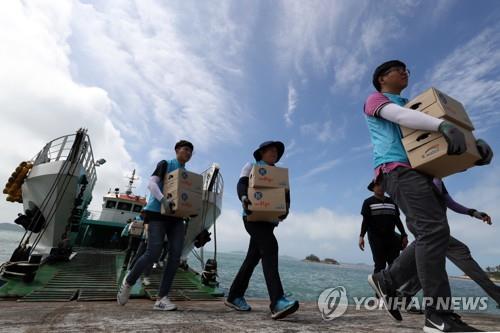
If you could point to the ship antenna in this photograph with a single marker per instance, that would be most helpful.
(131, 180)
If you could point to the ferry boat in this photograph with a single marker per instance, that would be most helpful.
(70, 253)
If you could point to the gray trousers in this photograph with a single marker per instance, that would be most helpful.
(425, 212)
(460, 255)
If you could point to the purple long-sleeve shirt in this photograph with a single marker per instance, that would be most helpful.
(450, 203)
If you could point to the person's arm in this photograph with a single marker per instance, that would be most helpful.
(154, 188)
(378, 105)
(409, 118)
(242, 186)
(365, 212)
(455, 206)
(460, 209)
(364, 227)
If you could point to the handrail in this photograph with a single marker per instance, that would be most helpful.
(59, 150)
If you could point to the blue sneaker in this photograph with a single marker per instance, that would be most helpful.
(283, 308)
(238, 304)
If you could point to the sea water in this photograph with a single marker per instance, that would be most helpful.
(301, 280)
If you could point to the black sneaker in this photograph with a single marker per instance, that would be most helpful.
(385, 295)
(436, 322)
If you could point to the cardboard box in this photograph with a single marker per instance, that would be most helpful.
(434, 103)
(136, 228)
(427, 152)
(186, 203)
(265, 176)
(184, 180)
(267, 204)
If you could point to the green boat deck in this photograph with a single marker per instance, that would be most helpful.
(94, 275)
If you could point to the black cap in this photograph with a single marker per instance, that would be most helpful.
(183, 143)
(384, 68)
(257, 154)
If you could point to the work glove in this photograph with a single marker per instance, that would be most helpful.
(480, 216)
(168, 204)
(454, 137)
(485, 152)
(245, 202)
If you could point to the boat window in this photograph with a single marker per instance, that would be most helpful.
(110, 204)
(124, 206)
(137, 208)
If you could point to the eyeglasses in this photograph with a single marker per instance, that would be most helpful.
(400, 70)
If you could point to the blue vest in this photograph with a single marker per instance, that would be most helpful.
(386, 137)
(153, 204)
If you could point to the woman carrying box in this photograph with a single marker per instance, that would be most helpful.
(263, 244)
(159, 226)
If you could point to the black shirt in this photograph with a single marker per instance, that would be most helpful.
(380, 216)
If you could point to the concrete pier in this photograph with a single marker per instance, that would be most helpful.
(201, 316)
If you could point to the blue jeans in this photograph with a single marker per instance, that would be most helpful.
(174, 229)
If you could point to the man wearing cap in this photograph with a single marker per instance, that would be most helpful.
(415, 195)
(458, 252)
(159, 226)
(263, 244)
(380, 217)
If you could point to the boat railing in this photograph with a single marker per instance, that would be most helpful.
(59, 150)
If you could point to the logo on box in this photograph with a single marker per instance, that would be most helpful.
(184, 175)
(184, 196)
(431, 151)
(258, 195)
(262, 171)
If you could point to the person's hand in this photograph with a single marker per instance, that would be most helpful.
(454, 137)
(485, 152)
(245, 202)
(361, 243)
(480, 216)
(168, 204)
(404, 242)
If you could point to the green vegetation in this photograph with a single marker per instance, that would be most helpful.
(493, 272)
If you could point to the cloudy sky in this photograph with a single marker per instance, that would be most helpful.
(228, 75)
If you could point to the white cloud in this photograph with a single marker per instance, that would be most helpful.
(165, 67)
(324, 131)
(136, 74)
(321, 168)
(323, 232)
(40, 100)
(292, 104)
(470, 73)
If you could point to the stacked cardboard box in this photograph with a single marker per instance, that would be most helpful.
(267, 193)
(185, 189)
(427, 151)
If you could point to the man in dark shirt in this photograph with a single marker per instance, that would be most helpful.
(380, 216)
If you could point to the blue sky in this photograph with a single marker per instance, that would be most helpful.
(229, 75)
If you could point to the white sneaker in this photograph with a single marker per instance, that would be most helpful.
(124, 293)
(164, 304)
(146, 281)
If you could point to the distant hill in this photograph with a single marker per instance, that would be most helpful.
(10, 227)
